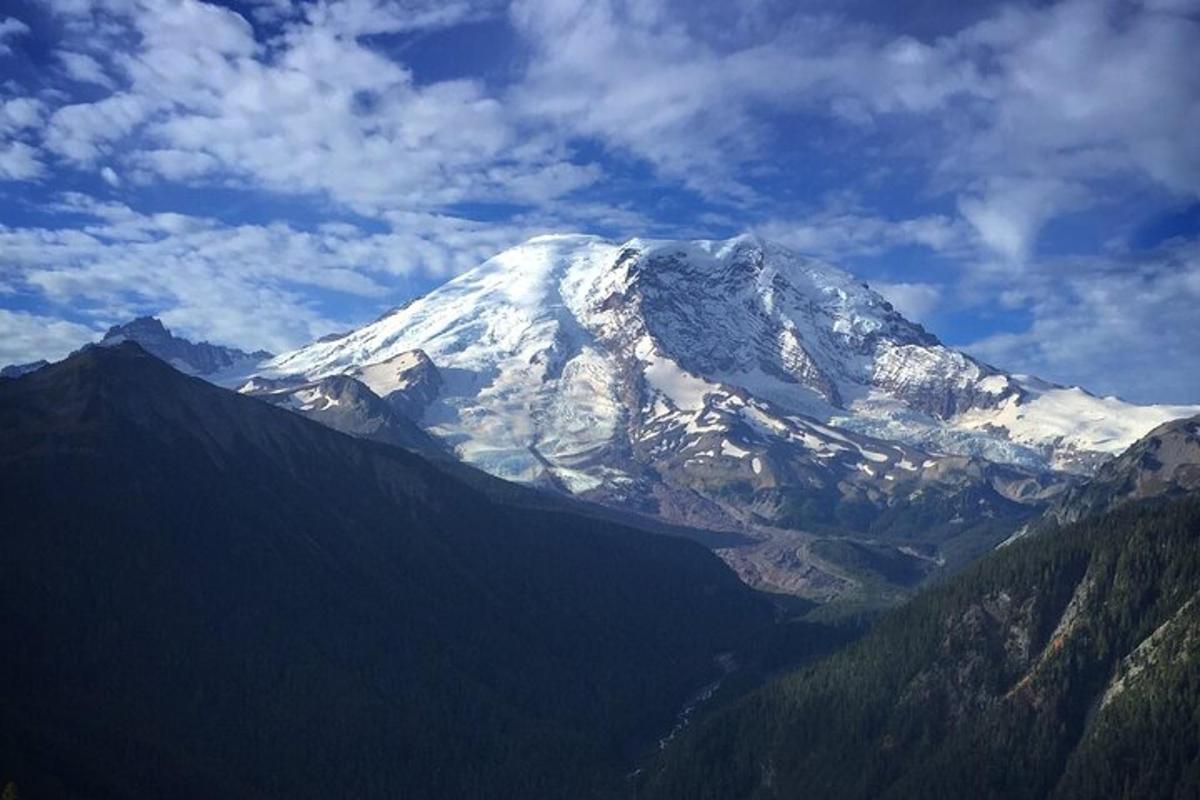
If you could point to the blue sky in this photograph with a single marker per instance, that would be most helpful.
(1024, 179)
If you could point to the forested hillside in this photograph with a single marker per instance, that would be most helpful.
(205, 596)
(1066, 665)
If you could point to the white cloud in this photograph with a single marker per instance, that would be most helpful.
(83, 68)
(20, 113)
(10, 28)
(633, 76)
(1007, 214)
(248, 284)
(362, 17)
(314, 110)
(28, 337)
(19, 162)
(1025, 115)
(1086, 89)
(176, 165)
(842, 230)
(1027, 101)
(83, 132)
(1112, 325)
(916, 301)
(110, 176)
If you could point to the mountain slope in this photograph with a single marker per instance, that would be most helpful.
(733, 385)
(211, 361)
(17, 370)
(542, 333)
(205, 595)
(347, 405)
(1163, 463)
(1064, 665)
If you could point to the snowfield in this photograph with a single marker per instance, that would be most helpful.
(570, 357)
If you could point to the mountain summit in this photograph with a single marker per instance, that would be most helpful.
(566, 345)
(728, 384)
(203, 359)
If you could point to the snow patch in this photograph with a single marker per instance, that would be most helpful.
(730, 449)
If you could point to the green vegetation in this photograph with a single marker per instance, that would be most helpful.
(990, 685)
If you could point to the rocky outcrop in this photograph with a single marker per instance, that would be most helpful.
(347, 405)
(202, 359)
(1165, 463)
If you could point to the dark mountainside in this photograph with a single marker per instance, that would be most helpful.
(870, 557)
(1066, 665)
(208, 596)
(17, 370)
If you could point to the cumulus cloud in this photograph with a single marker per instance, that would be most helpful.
(916, 301)
(20, 114)
(84, 132)
(840, 231)
(316, 110)
(1007, 213)
(83, 68)
(1025, 114)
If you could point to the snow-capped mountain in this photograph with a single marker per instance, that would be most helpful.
(539, 339)
(214, 362)
(724, 382)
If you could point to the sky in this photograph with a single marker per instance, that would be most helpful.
(1021, 178)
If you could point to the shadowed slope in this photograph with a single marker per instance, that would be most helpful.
(204, 594)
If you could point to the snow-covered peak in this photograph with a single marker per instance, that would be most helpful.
(555, 354)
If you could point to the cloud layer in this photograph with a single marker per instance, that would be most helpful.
(264, 175)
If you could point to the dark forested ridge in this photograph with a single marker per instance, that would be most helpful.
(207, 596)
(204, 596)
(1064, 666)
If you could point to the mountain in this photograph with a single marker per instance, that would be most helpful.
(1061, 666)
(343, 402)
(1165, 462)
(17, 370)
(346, 404)
(699, 322)
(735, 385)
(206, 595)
(211, 361)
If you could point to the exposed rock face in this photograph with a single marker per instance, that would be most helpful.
(203, 359)
(347, 405)
(734, 385)
(408, 381)
(1164, 463)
